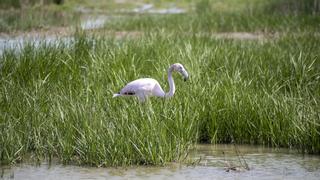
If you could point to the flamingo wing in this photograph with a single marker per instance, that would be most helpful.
(140, 86)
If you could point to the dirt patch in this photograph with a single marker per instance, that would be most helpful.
(115, 34)
(239, 35)
(259, 36)
(244, 36)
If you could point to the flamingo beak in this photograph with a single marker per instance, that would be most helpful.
(185, 75)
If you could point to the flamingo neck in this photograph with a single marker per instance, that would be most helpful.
(171, 84)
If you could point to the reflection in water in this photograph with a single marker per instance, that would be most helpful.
(264, 163)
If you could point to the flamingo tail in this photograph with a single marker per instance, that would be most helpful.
(116, 95)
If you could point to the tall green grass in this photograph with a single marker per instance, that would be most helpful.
(217, 22)
(294, 7)
(229, 16)
(57, 101)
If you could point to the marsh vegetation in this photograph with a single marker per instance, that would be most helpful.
(56, 101)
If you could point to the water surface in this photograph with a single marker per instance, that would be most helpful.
(264, 163)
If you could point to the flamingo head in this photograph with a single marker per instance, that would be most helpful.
(179, 68)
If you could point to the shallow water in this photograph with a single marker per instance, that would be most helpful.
(149, 8)
(94, 22)
(18, 43)
(264, 163)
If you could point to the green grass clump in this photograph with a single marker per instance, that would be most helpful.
(294, 7)
(57, 101)
(229, 16)
(216, 22)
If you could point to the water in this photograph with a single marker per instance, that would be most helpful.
(17, 43)
(143, 8)
(149, 8)
(94, 22)
(264, 163)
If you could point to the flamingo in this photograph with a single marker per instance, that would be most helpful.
(145, 87)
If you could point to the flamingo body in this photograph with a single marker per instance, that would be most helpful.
(145, 87)
(142, 88)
